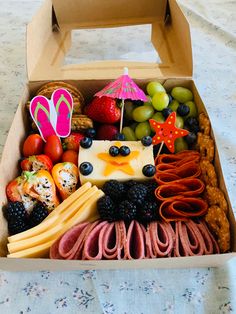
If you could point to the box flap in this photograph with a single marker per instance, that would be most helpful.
(49, 38)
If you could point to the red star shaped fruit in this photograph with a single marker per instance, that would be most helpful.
(167, 132)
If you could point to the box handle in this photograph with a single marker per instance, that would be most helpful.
(48, 43)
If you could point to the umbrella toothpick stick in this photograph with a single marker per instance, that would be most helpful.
(122, 114)
(160, 148)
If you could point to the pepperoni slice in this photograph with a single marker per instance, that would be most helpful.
(184, 187)
(179, 158)
(183, 208)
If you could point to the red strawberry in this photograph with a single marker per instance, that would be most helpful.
(72, 141)
(103, 110)
(106, 132)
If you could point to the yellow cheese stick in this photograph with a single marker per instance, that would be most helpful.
(42, 227)
(37, 251)
(54, 217)
(34, 241)
(70, 200)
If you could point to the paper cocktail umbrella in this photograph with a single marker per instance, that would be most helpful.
(123, 88)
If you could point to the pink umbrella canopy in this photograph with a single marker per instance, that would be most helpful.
(123, 88)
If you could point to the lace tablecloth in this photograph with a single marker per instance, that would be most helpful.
(204, 290)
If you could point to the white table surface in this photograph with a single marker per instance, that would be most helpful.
(206, 290)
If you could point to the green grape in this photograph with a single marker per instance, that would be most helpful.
(143, 113)
(142, 129)
(129, 134)
(154, 87)
(129, 107)
(174, 105)
(181, 94)
(180, 145)
(157, 117)
(160, 101)
(148, 102)
(179, 123)
(193, 110)
(133, 125)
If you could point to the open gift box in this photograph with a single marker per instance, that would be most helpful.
(48, 41)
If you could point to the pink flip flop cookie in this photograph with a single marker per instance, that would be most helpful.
(40, 113)
(63, 104)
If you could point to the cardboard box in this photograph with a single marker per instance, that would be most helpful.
(48, 40)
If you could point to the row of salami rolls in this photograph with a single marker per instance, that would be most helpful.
(117, 240)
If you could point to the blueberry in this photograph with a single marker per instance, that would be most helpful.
(170, 98)
(191, 138)
(183, 110)
(191, 121)
(124, 150)
(166, 112)
(192, 124)
(149, 170)
(90, 132)
(119, 137)
(114, 151)
(86, 142)
(146, 140)
(86, 168)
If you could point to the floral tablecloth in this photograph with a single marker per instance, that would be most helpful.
(205, 290)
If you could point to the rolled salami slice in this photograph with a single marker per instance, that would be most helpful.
(189, 241)
(162, 239)
(54, 253)
(183, 187)
(113, 240)
(183, 208)
(70, 241)
(211, 245)
(135, 242)
(93, 243)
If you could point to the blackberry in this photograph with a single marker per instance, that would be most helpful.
(38, 214)
(106, 208)
(130, 183)
(127, 210)
(15, 211)
(137, 194)
(151, 187)
(17, 226)
(114, 189)
(148, 211)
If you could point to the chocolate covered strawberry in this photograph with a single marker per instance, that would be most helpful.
(104, 110)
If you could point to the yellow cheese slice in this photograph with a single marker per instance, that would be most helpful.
(70, 200)
(75, 207)
(37, 251)
(88, 210)
(54, 216)
(42, 227)
(42, 238)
